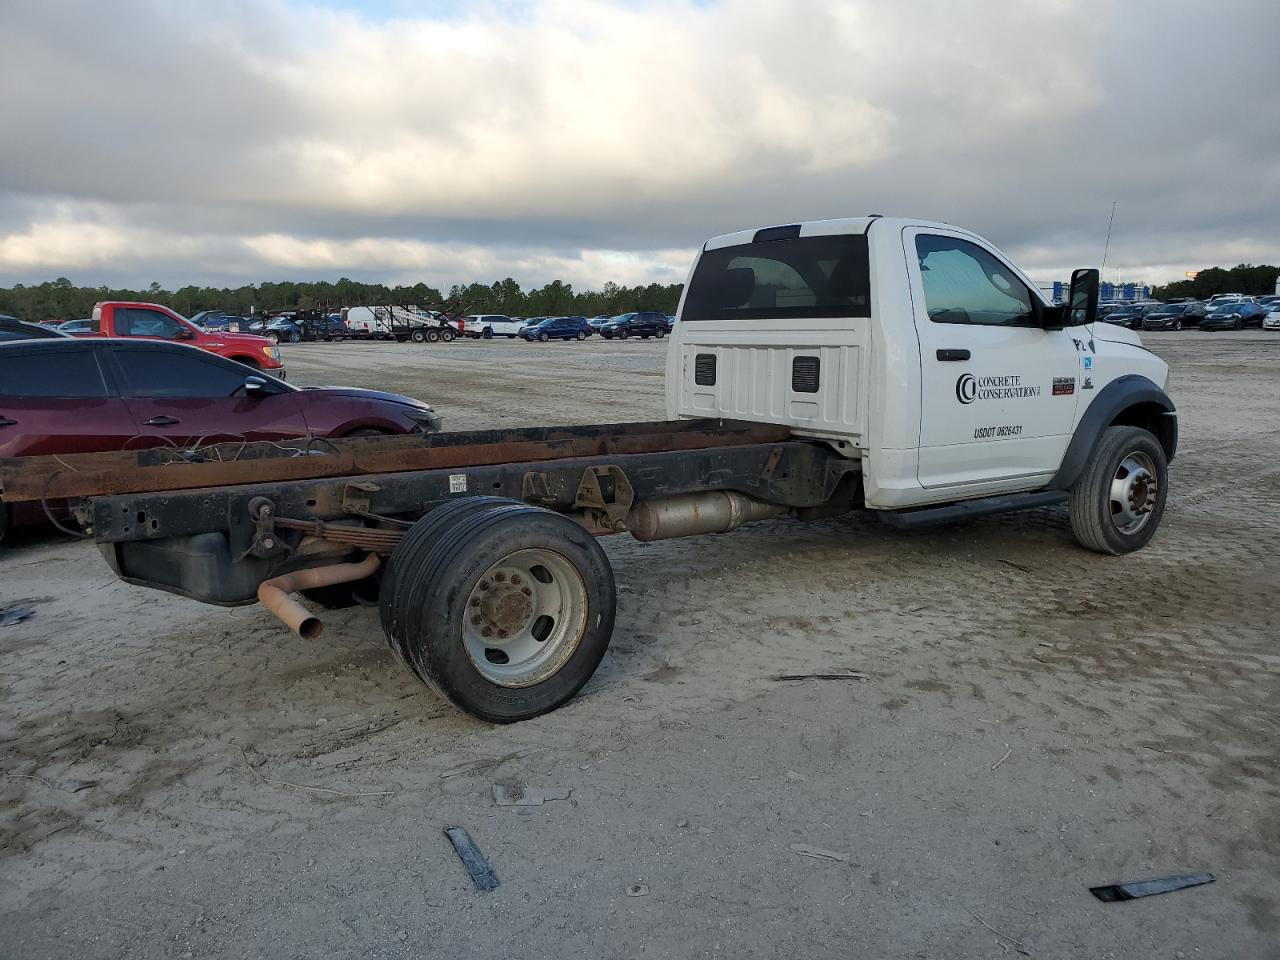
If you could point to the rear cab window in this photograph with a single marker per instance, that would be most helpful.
(788, 279)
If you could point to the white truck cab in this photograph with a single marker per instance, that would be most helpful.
(920, 349)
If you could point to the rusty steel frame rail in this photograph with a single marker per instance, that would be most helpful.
(167, 469)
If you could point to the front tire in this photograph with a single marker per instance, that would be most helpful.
(543, 338)
(505, 609)
(660, 334)
(1177, 324)
(581, 336)
(1119, 499)
(622, 334)
(274, 337)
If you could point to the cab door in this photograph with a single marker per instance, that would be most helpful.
(998, 391)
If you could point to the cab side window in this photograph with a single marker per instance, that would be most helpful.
(965, 284)
(132, 322)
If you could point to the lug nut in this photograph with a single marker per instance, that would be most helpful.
(487, 632)
(526, 591)
(502, 634)
(515, 578)
(499, 577)
(475, 601)
(484, 584)
(475, 621)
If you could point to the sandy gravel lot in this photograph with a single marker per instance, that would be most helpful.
(1031, 720)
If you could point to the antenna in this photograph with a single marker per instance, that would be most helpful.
(1107, 248)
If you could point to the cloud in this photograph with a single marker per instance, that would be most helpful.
(189, 140)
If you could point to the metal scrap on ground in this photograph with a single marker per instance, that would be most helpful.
(507, 796)
(11, 615)
(1113, 892)
(478, 867)
(817, 853)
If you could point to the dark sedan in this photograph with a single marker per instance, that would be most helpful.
(1234, 315)
(557, 328)
(71, 395)
(1174, 316)
(12, 329)
(645, 324)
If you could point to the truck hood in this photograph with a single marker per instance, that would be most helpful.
(1113, 333)
(244, 339)
(372, 395)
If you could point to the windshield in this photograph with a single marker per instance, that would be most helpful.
(1176, 308)
(797, 277)
(621, 318)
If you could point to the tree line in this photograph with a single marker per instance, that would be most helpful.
(1245, 278)
(61, 300)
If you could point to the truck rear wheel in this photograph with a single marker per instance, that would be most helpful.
(504, 608)
(447, 335)
(1119, 500)
(418, 336)
(433, 336)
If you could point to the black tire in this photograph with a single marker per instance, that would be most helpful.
(543, 338)
(581, 336)
(1095, 520)
(408, 553)
(274, 337)
(4, 521)
(433, 336)
(418, 336)
(1238, 325)
(660, 334)
(295, 338)
(622, 334)
(1177, 324)
(488, 333)
(435, 570)
(447, 336)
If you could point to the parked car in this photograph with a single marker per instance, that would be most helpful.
(645, 324)
(597, 322)
(13, 329)
(1272, 320)
(558, 328)
(72, 395)
(1130, 316)
(1174, 316)
(1268, 301)
(1219, 298)
(489, 325)
(282, 330)
(1233, 315)
(76, 326)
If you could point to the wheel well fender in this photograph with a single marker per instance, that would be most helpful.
(1132, 401)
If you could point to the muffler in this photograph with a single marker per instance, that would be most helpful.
(695, 513)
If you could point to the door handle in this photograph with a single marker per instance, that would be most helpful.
(953, 354)
(6, 422)
(160, 422)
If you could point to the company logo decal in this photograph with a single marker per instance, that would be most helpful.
(970, 388)
(1064, 386)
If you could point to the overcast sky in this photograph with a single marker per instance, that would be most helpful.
(246, 140)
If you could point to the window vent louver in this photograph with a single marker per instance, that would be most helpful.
(804, 374)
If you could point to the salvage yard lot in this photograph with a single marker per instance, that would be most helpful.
(1022, 720)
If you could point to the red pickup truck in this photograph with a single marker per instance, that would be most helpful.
(122, 318)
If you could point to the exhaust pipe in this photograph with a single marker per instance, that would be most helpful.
(695, 513)
(274, 593)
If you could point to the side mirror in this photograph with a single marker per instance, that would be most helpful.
(1082, 303)
(186, 333)
(255, 387)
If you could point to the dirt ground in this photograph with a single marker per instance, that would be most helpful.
(1027, 720)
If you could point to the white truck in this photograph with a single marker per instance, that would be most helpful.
(898, 366)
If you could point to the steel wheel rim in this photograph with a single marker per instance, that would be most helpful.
(1134, 488)
(525, 617)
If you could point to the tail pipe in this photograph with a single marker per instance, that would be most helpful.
(274, 593)
(695, 513)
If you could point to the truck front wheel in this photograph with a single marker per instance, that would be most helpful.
(504, 608)
(1118, 502)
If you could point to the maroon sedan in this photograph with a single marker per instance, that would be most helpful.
(83, 396)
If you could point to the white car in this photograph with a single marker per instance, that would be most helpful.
(1272, 320)
(489, 325)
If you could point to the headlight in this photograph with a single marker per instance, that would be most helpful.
(272, 352)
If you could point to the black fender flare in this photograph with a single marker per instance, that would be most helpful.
(1112, 401)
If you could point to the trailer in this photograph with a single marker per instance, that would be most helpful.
(400, 323)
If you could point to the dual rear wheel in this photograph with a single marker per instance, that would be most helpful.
(504, 608)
